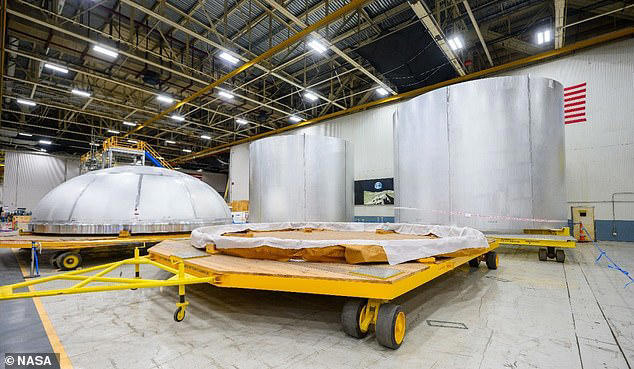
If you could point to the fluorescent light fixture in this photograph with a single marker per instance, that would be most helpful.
(43, 150)
(311, 96)
(295, 118)
(75, 91)
(114, 131)
(164, 98)
(178, 118)
(225, 94)
(26, 102)
(131, 124)
(133, 141)
(317, 46)
(45, 142)
(455, 43)
(25, 134)
(543, 37)
(94, 144)
(241, 121)
(382, 91)
(205, 137)
(199, 170)
(170, 142)
(228, 57)
(187, 150)
(56, 68)
(159, 157)
(103, 50)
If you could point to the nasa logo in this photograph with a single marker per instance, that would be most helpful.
(378, 185)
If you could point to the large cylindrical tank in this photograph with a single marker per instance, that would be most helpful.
(301, 178)
(488, 154)
(137, 199)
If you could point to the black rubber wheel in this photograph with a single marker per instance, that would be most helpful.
(351, 316)
(543, 254)
(560, 256)
(474, 263)
(492, 260)
(179, 314)
(551, 252)
(54, 260)
(390, 326)
(68, 260)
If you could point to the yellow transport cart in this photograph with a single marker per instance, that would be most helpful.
(551, 242)
(66, 255)
(370, 287)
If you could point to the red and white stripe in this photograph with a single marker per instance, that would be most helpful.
(575, 104)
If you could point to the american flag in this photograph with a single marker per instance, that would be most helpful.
(575, 104)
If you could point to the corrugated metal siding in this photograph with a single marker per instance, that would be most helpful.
(28, 177)
(599, 152)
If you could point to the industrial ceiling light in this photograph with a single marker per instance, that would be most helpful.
(382, 91)
(43, 150)
(45, 142)
(317, 46)
(113, 131)
(455, 43)
(295, 118)
(187, 150)
(205, 137)
(199, 170)
(133, 141)
(131, 124)
(165, 99)
(94, 144)
(228, 57)
(75, 91)
(225, 94)
(25, 102)
(310, 96)
(105, 51)
(170, 142)
(56, 68)
(25, 134)
(178, 118)
(241, 121)
(543, 37)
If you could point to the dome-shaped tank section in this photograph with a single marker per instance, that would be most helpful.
(487, 154)
(138, 199)
(301, 178)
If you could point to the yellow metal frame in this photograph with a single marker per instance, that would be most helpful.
(179, 279)
(78, 243)
(378, 290)
(536, 242)
(190, 274)
(115, 142)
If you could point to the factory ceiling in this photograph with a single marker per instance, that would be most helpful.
(76, 72)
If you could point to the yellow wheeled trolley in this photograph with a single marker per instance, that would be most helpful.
(371, 287)
(66, 249)
(551, 242)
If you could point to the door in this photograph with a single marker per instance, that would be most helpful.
(583, 216)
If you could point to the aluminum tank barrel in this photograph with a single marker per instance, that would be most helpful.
(488, 154)
(301, 178)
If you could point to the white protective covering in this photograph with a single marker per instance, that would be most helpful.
(450, 239)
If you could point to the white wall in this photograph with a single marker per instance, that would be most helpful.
(29, 176)
(599, 152)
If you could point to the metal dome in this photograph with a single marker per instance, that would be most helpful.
(138, 199)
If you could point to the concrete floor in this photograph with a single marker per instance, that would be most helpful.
(526, 314)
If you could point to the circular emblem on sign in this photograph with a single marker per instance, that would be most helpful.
(378, 185)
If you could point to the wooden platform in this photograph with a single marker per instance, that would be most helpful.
(199, 263)
(61, 242)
